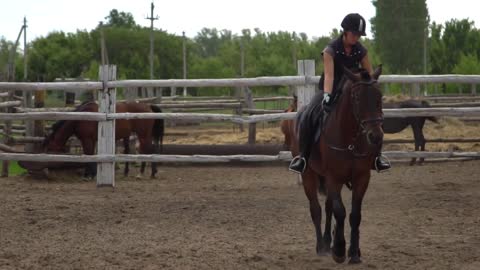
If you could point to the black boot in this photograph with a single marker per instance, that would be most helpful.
(298, 164)
(382, 164)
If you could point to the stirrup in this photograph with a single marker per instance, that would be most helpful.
(295, 159)
(379, 159)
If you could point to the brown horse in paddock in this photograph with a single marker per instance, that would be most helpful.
(396, 124)
(288, 127)
(147, 131)
(345, 152)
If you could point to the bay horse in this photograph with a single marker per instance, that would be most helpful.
(287, 126)
(147, 131)
(397, 124)
(344, 154)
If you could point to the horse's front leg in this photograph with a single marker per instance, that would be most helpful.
(310, 185)
(88, 146)
(327, 234)
(334, 194)
(359, 188)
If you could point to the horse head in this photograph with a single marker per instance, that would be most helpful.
(366, 103)
(51, 144)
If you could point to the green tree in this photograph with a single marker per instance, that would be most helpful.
(399, 29)
(120, 19)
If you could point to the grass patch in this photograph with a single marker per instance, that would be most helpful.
(14, 168)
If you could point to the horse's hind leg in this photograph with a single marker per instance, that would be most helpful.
(146, 147)
(419, 138)
(310, 185)
(126, 151)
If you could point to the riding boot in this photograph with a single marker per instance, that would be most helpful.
(381, 163)
(307, 127)
(299, 163)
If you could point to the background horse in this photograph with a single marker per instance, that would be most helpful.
(147, 130)
(397, 124)
(344, 154)
(287, 126)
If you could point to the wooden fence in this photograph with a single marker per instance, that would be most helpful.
(304, 83)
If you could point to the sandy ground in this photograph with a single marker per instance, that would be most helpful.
(235, 217)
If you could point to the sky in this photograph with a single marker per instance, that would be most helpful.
(314, 17)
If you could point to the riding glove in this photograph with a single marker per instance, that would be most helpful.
(327, 101)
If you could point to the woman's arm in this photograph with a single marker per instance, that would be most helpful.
(328, 71)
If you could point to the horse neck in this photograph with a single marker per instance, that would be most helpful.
(343, 123)
(63, 133)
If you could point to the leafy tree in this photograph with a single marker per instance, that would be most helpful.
(399, 29)
(120, 19)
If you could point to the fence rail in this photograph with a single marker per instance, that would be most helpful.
(393, 113)
(240, 82)
(282, 156)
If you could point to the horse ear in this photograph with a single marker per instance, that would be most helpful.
(377, 72)
(352, 76)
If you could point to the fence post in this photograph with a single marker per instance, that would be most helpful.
(252, 127)
(305, 92)
(106, 129)
(7, 136)
(474, 89)
(416, 89)
(29, 124)
(39, 125)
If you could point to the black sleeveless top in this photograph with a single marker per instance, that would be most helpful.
(340, 58)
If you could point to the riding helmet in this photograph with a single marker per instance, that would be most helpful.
(355, 23)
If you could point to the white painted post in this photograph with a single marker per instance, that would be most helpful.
(305, 92)
(106, 129)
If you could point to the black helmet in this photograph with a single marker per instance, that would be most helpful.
(354, 22)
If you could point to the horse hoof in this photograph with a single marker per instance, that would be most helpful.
(337, 259)
(355, 260)
(323, 251)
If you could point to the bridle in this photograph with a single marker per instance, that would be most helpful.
(362, 123)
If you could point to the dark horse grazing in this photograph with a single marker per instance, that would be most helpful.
(147, 131)
(344, 154)
(395, 125)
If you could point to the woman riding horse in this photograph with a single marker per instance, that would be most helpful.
(343, 156)
(344, 51)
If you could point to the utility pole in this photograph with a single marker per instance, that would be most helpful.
(25, 69)
(425, 37)
(184, 63)
(11, 77)
(151, 18)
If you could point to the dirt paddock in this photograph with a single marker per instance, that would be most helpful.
(236, 217)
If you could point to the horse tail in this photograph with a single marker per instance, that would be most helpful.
(425, 104)
(158, 128)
